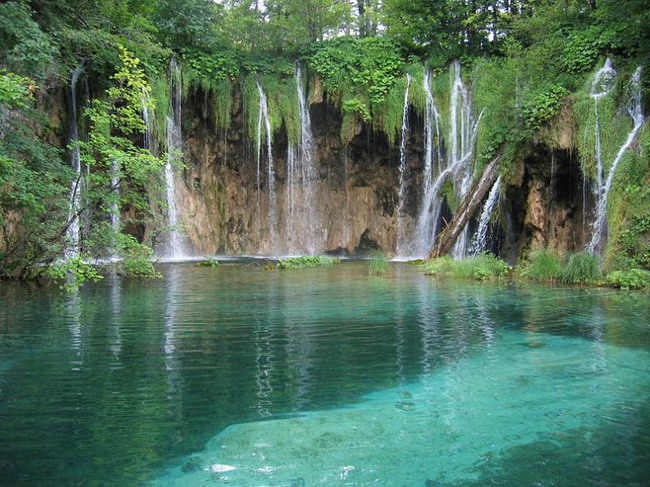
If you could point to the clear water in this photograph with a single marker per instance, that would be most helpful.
(322, 377)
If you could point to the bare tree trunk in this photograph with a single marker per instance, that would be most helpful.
(468, 207)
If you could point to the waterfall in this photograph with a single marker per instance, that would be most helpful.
(147, 116)
(461, 139)
(403, 173)
(634, 109)
(74, 205)
(265, 122)
(463, 132)
(290, 187)
(603, 83)
(428, 215)
(479, 241)
(304, 225)
(115, 205)
(175, 243)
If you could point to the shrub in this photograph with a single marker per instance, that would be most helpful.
(377, 265)
(542, 265)
(137, 258)
(306, 261)
(632, 279)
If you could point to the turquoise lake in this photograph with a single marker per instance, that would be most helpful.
(240, 376)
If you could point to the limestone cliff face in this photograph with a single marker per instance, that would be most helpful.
(354, 194)
(354, 198)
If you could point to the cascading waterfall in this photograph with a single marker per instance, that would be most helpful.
(462, 138)
(147, 117)
(402, 239)
(635, 111)
(72, 234)
(175, 243)
(429, 209)
(265, 122)
(302, 212)
(479, 241)
(603, 84)
(115, 205)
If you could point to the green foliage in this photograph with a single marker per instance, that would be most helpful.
(542, 265)
(110, 156)
(365, 68)
(632, 279)
(378, 264)
(24, 47)
(73, 273)
(481, 267)
(33, 199)
(208, 262)
(306, 261)
(541, 106)
(15, 90)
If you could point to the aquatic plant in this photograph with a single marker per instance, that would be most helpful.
(377, 265)
(208, 262)
(307, 261)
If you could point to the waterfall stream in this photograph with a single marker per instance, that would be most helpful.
(265, 122)
(634, 109)
(479, 241)
(74, 200)
(175, 244)
(428, 213)
(402, 238)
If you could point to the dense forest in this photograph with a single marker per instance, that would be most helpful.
(104, 63)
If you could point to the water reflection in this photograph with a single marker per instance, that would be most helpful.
(208, 348)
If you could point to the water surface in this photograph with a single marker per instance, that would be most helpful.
(320, 377)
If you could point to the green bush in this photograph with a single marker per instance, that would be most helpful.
(542, 265)
(306, 261)
(377, 265)
(632, 279)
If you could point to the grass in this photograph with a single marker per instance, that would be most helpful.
(306, 261)
(378, 264)
(481, 267)
(575, 268)
(542, 266)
